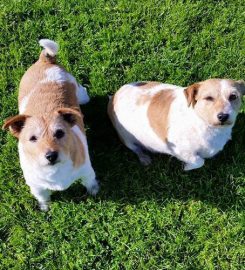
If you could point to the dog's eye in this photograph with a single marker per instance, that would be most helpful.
(33, 138)
(232, 97)
(209, 98)
(59, 134)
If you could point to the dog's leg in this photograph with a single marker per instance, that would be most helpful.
(143, 157)
(194, 163)
(42, 196)
(89, 181)
(130, 142)
(82, 94)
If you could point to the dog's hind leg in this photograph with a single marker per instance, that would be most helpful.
(82, 94)
(139, 151)
(127, 138)
(143, 157)
(132, 143)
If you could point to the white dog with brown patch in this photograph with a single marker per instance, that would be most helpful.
(191, 123)
(52, 144)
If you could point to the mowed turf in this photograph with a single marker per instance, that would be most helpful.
(157, 217)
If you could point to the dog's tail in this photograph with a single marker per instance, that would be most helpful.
(50, 50)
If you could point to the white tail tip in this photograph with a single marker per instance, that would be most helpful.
(50, 46)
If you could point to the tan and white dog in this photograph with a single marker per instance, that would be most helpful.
(191, 123)
(52, 144)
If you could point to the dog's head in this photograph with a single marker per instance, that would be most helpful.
(48, 139)
(216, 101)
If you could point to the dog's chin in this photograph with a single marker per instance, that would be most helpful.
(54, 163)
(223, 125)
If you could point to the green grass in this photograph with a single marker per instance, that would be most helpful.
(143, 218)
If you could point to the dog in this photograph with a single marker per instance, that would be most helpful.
(190, 123)
(52, 143)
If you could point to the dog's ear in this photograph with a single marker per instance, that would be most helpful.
(191, 94)
(241, 86)
(15, 124)
(71, 116)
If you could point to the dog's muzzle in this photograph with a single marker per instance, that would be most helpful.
(51, 156)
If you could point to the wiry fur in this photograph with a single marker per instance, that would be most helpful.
(49, 100)
(179, 121)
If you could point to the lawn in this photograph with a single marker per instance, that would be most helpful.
(158, 217)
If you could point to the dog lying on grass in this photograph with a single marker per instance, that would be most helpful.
(52, 144)
(191, 123)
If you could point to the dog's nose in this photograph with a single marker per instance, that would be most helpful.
(223, 117)
(51, 156)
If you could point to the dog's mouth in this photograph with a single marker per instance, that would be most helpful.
(223, 124)
(53, 163)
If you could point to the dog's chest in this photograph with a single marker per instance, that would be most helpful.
(212, 141)
(53, 177)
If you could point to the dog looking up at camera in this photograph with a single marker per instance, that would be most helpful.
(52, 143)
(191, 123)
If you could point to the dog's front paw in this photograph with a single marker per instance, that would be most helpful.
(188, 167)
(44, 206)
(93, 189)
(191, 166)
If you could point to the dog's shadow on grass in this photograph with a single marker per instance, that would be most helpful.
(124, 179)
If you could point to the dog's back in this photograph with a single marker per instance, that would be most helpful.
(47, 86)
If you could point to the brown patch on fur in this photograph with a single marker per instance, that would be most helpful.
(15, 124)
(77, 152)
(146, 85)
(70, 115)
(191, 94)
(47, 97)
(65, 111)
(158, 112)
(46, 58)
(44, 98)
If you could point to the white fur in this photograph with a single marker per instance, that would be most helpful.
(23, 103)
(50, 46)
(59, 75)
(42, 179)
(82, 94)
(189, 138)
